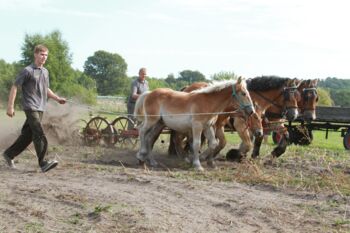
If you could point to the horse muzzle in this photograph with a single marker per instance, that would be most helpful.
(292, 114)
(309, 115)
(258, 133)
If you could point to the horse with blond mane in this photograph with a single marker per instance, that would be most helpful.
(179, 146)
(190, 113)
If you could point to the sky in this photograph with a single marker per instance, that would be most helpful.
(289, 38)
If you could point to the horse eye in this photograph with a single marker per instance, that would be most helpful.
(244, 94)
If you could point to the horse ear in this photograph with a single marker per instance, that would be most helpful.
(297, 82)
(314, 82)
(239, 80)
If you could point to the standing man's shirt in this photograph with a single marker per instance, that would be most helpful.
(138, 87)
(34, 82)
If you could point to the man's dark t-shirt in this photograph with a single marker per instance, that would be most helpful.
(34, 82)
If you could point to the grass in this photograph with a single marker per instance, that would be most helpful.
(320, 167)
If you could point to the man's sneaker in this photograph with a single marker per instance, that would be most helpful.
(9, 161)
(49, 165)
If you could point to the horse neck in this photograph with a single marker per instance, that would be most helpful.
(271, 98)
(221, 98)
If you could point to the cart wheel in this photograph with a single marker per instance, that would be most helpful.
(126, 135)
(98, 132)
(346, 140)
(276, 137)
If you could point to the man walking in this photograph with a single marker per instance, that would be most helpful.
(34, 82)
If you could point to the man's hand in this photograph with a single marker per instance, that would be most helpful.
(61, 100)
(10, 111)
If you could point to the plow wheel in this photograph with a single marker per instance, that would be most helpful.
(125, 133)
(98, 132)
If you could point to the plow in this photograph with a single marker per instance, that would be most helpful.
(121, 131)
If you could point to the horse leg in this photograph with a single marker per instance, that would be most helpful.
(246, 144)
(281, 147)
(196, 144)
(173, 142)
(212, 145)
(145, 147)
(220, 135)
(152, 137)
(257, 145)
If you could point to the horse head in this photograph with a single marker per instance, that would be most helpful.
(241, 95)
(309, 99)
(255, 124)
(291, 96)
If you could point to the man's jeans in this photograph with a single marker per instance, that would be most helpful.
(32, 131)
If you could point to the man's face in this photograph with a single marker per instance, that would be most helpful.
(142, 75)
(40, 58)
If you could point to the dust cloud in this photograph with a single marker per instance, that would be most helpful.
(61, 123)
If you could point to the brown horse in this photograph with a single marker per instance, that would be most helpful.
(307, 105)
(267, 92)
(190, 113)
(309, 99)
(251, 124)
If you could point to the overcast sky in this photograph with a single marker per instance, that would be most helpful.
(289, 38)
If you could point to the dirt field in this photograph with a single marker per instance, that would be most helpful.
(96, 189)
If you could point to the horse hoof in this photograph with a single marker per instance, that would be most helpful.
(211, 164)
(153, 163)
(140, 157)
(187, 160)
(234, 155)
(199, 168)
(141, 162)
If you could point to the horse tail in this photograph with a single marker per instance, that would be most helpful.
(138, 111)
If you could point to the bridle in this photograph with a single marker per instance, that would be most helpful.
(284, 109)
(306, 98)
(242, 105)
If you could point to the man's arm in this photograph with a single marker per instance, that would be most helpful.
(52, 95)
(11, 102)
(134, 94)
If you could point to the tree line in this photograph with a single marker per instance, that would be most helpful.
(105, 74)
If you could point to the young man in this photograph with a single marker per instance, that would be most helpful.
(34, 82)
(138, 87)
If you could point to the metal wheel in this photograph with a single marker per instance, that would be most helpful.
(346, 140)
(98, 132)
(125, 133)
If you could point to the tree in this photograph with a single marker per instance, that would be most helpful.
(109, 72)
(224, 76)
(341, 97)
(7, 75)
(324, 98)
(170, 79)
(190, 76)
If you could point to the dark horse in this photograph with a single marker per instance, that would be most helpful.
(307, 107)
(268, 92)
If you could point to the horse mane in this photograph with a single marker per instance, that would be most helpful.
(217, 86)
(265, 83)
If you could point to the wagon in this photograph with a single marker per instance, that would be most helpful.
(327, 118)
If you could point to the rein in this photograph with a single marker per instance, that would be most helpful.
(87, 107)
(284, 109)
(271, 101)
